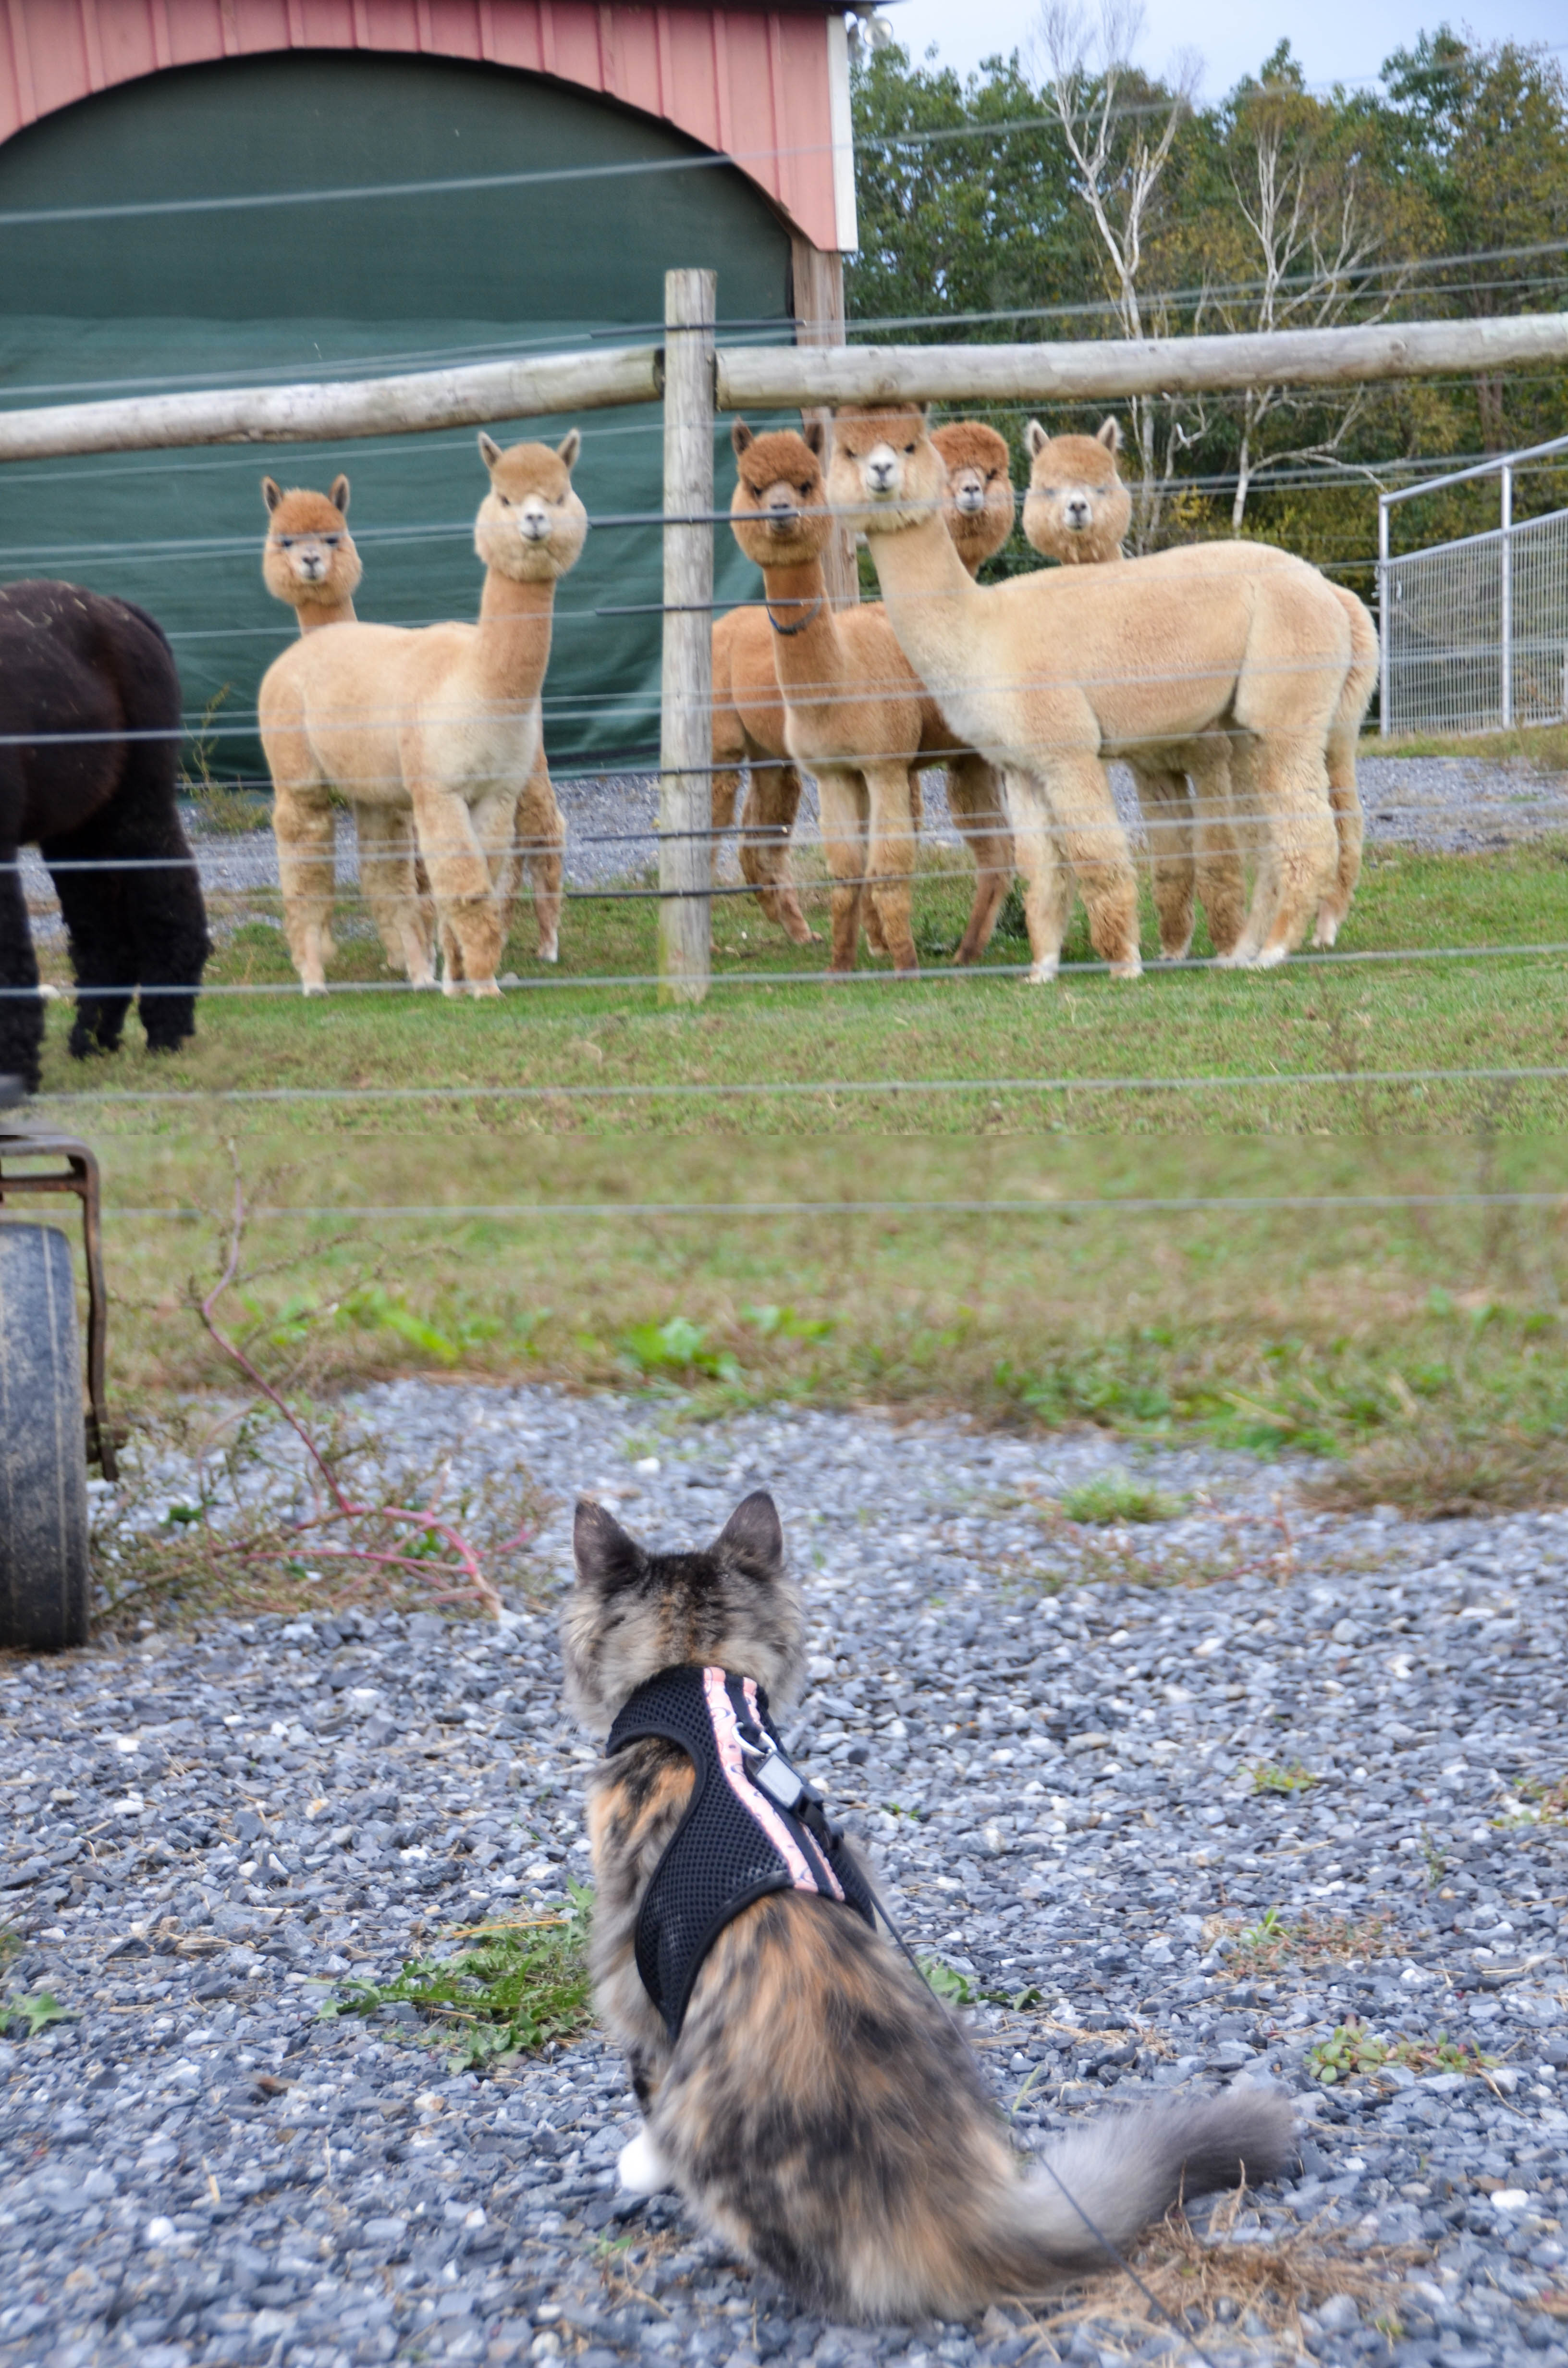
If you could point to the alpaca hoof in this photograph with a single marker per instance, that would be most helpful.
(1132, 968)
(1177, 953)
(551, 952)
(640, 2167)
(1327, 928)
(485, 990)
(313, 986)
(1270, 958)
(1044, 973)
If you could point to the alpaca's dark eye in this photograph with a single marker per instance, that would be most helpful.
(807, 487)
(285, 542)
(909, 448)
(504, 500)
(332, 540)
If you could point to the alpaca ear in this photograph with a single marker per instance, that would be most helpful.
(1035, 438)
(816, 438)
(742, 438)
(755, 1535)
(271, 494)
(489, 450)
(607, 1558)
(1110, 435)
(338, 497)
(569, 446)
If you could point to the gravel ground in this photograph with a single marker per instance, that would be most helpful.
(1450, 804)
(1051, 1755)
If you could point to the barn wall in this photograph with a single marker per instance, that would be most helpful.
(766, 86)
(337, 290)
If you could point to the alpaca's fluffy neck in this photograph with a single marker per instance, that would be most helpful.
(314, 614)
(511, 645)
(806, 647)
(933, 603)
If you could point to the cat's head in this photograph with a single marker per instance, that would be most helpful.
(730, 1605)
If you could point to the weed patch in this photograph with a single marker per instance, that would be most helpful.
(522, 1985)
(1273, 1776)
(1353, 2051)
(1118, 1496)
(24, 2013)
(1276, 1941)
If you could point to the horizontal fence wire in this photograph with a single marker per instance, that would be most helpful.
(1175, 1204)
(941, 974)
(762, 1089)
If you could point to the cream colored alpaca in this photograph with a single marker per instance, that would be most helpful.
(310, 562)
(799, 683)
(1049, 676)
(442, 723)
(1077, 511)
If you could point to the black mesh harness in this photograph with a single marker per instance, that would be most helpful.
(753, 1825)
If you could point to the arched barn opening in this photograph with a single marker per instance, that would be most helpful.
(276, 107)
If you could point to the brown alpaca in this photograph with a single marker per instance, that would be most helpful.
(308, 561)
(441, 724)
(1076, 511)
(839, 698)
(1050, 676)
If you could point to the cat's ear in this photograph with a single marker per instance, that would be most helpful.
(754, 1534)
(607, 1558)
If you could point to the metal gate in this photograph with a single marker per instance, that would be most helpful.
(1475, 632)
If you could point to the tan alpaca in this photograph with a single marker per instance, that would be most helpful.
(442, 723)
(1049, 676)
(1077, 511)
(308, 561)
(839, 698)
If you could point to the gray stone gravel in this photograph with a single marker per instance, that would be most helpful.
(1046, 1734)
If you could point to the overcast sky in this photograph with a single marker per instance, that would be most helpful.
(1337, 40)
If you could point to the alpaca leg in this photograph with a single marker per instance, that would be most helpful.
(974, 801)
(386, 879)
(1090, 838)
(542, 834)
(1168, 826)
(1047, 880)
(844, 803)
(1342, 794)
(1221, 881)
(495, 827)
(892, 860)
(103, 956)
(302, 826)
(459, 880)
(21, 1008)
(773, 800)
(1303, 848)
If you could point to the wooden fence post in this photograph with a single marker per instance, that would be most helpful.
(686, 734)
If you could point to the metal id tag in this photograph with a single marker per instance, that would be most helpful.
(775, 1777)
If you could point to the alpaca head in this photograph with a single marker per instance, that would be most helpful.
(531, 525)
(886, 473)
(1077, 508)
(777, 512)
(979, 507)
(309, 559)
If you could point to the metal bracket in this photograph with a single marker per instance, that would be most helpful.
(78, 1176)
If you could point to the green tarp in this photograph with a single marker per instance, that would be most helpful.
(346, 288)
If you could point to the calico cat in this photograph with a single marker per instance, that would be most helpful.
(819, 2109)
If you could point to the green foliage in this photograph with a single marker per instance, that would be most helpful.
(1271, 1776)
(24, 2012)
(677, 1348)
(1120, 1495)
(1352, 2050)
(961, 1989)
(522, 1985)
(783, 1324)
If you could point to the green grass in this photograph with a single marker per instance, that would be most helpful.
(1421, 1347)
(1118, 1496)
(521, 1985)
(1544, 746)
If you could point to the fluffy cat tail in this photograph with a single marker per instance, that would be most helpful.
(1123, 2172)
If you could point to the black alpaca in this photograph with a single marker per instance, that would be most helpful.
(89, 741)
